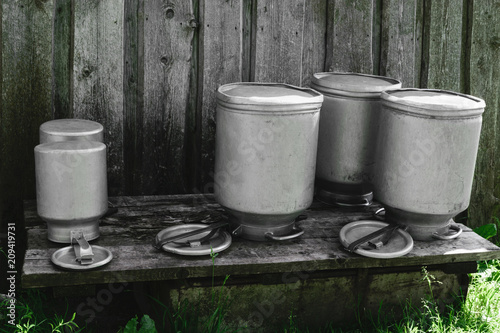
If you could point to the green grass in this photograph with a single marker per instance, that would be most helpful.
(479, 313)
(188, 317)
(33, 316)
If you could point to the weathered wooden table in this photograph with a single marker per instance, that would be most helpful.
(312, 276)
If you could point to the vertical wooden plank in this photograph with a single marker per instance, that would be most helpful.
(41, 52)
(484, 76)
(492, 97)
(376, 36)
(168, 36)
(110, 89)
(400, 40)
(1, 92)
(279, 40)
(62, 59)
(192, 120)
(221, 39)
(419, 32)
(86, 63)
(1, 61)
(133, 89)
(443, 54)
(349, 41)
(26, 98)
(98, 77)
(248, 28)
(313, 39)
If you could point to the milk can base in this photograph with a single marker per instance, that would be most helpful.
(425, 233)
(62, 235)
(340, 199)
(264, 227)
(424, 227)
(280, 233)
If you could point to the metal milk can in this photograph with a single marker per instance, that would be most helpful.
(426, 151)
(347, 134)
(71, 187)
(265, 156)
(71, 177)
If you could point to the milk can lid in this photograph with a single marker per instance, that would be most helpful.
(71, 127)
(434, 99)
(66, 258)
(70, 147)
(203, 243)
(399, 243)
(353, 82)
(267, 94)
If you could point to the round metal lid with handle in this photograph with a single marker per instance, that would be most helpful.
(193, 239)
(81, 256)
(376, 239)
(66, 258)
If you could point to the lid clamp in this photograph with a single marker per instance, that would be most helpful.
(83, 250)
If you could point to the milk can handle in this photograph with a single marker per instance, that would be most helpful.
(379, 214)
(448, 237)
(83, 251)
(298, 232)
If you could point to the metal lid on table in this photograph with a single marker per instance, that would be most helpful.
(376, 239)
(66, 258)
(70, 129)
(433, 102)
(352, 83)
(194, 239)
(269, 94)
(81, 256)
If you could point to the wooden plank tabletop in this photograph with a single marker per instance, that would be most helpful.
(129, 233)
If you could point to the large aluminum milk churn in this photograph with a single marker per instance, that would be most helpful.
(347, 135)
(265, 156)
(71, 178)
(426, 151)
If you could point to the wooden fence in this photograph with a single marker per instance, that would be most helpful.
(148, 71)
